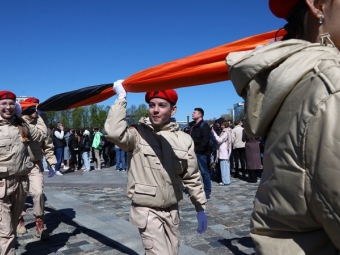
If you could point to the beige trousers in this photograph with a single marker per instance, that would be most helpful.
(158, 228)
(97, 156)
(13, 190)
(36, 187)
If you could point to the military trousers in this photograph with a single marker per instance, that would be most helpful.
(36, 188)
(13, 190)
(158, 228)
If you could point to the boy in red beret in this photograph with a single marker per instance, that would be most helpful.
(15, 165)
(161, 162)
(37, 150)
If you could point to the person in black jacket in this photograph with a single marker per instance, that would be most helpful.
(200, 133)
(74, 147)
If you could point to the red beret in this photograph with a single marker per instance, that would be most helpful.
(281, 8)
(24, 104)
(5, 94)
(32, 100)
(169, 95)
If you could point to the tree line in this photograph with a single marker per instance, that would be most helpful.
(93, 116)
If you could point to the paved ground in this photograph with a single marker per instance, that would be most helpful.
(87, 213)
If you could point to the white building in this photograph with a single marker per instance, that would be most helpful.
(22, 98)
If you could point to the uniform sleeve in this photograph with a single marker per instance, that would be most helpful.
(48, 149)
(116, 127)
(38, 132)
(322, 161)
(192, 182)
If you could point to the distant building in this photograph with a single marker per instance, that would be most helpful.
(21, 98)
(238, 111)
(182, 124)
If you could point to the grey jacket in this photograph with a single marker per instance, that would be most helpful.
(291, 89)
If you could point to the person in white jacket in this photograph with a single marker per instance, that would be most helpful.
(224, 151)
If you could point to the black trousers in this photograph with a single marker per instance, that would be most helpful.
(239, 159)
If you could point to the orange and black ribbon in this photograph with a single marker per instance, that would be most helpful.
(202, 68)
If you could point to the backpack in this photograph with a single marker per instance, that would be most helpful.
(102, 140)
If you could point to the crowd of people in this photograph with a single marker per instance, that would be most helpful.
(225, 150)
(291, 92)
(76, 149)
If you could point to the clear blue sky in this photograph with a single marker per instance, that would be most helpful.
(50, 47)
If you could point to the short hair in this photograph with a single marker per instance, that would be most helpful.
(96, 129)
(199, 110)
(226, 124)
(237, 122)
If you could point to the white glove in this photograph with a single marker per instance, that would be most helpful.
(51, 172)
(119, 89)
(202, 222)
(18, 109)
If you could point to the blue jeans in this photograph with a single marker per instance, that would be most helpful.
(202, 161)
(86, 158)
(225, 171)
(59, 154)
(120, 159)
(44, 163)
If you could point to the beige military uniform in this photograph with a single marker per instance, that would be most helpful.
(160, 163)
(37, 150)
(15, 164)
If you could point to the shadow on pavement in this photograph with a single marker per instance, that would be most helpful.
(60, 239)
(245, 241)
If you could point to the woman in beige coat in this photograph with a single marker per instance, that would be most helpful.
(291, 91)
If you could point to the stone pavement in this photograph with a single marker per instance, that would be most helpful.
(87, 213)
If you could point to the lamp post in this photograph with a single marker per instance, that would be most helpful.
(188, 118)
(231, 114)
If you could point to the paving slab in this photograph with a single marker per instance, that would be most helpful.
(88, 213)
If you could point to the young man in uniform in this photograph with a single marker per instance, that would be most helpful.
(15, 164)
(161, 162)
(37, 150)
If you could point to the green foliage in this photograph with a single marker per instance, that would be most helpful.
(79, 118)
(134, 113)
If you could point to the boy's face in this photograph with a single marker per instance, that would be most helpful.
(160, 111)
(7, 108)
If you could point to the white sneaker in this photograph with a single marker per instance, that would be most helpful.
(97, 169)
(46, 170)
(58, 173)
(66, 168)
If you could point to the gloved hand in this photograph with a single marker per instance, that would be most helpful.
(51, 172)
(119, 89)
(18, 109)
(202, 222)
